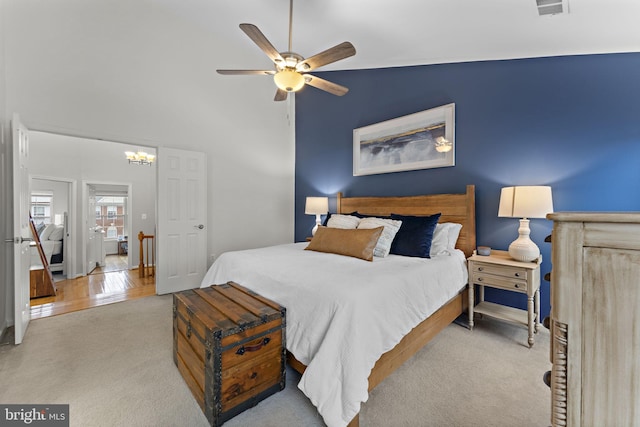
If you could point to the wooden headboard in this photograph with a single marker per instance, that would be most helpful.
(460, 208)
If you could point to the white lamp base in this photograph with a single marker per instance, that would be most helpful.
(315, 227)
(523, 248)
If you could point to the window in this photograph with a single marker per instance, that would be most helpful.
(111, 215)
(41, 205)
(112, 212)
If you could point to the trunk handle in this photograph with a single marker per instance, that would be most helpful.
(242, 350)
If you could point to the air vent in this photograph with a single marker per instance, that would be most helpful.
(552, 7)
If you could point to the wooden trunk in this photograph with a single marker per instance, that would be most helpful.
(228, 344)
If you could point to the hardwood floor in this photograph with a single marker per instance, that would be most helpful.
(113, 263)
(98, 288)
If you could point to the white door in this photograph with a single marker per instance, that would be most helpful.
(182, 214)
(92, 247)
(21, 228)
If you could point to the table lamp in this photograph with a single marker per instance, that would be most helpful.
(525, 202)
(316, 206)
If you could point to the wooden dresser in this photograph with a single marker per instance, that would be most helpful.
(595, 319)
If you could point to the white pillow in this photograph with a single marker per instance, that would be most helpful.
(343, 221)
(445, 237)
(47, 232)
(57, 233)
(391, 227)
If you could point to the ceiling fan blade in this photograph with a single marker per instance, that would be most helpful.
(325, 85)
(258, 38)
(281, 95)
(333, 54)
(246, 72)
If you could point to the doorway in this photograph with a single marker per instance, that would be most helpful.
(181, 175)
(108, 219)
(57, 207)
(102, 164)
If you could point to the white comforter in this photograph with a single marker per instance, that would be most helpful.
(49, 247)
(342, 313)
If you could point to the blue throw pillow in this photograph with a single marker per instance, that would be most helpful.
(359, 215)
(326, 220)
(415, 235)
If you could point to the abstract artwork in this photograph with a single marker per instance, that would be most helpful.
(421, 140)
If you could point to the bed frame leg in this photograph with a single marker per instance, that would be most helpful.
(355, 422)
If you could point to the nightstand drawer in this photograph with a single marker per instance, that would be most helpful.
(500, 270)
(492, 280)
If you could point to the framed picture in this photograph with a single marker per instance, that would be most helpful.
(421, 140)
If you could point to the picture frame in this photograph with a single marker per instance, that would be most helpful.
(422, 140)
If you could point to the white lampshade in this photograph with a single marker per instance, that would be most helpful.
(316, 206)
(525, 202)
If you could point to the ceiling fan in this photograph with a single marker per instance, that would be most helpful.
(291, 69)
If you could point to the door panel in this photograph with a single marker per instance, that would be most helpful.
(182, 212)
(21, 230)
(92, 246)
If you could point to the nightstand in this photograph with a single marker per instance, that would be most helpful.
(500, 271)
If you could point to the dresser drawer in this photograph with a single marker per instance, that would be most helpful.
(500, 270)
(511, 284)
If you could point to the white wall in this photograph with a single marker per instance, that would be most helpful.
(140, 72)
(92, 161)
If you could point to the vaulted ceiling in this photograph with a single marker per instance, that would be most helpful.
(415, 32)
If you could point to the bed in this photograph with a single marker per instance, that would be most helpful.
(325, 289)
(52, 239)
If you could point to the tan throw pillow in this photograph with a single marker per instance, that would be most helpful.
(350, 242)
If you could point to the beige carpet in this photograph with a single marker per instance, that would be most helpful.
(113, 365)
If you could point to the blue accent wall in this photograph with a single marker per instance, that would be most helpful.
(569, 122)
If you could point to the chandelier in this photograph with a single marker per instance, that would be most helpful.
(140, 158)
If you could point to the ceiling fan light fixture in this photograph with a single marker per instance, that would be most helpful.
(291, 60)
(289, 80)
